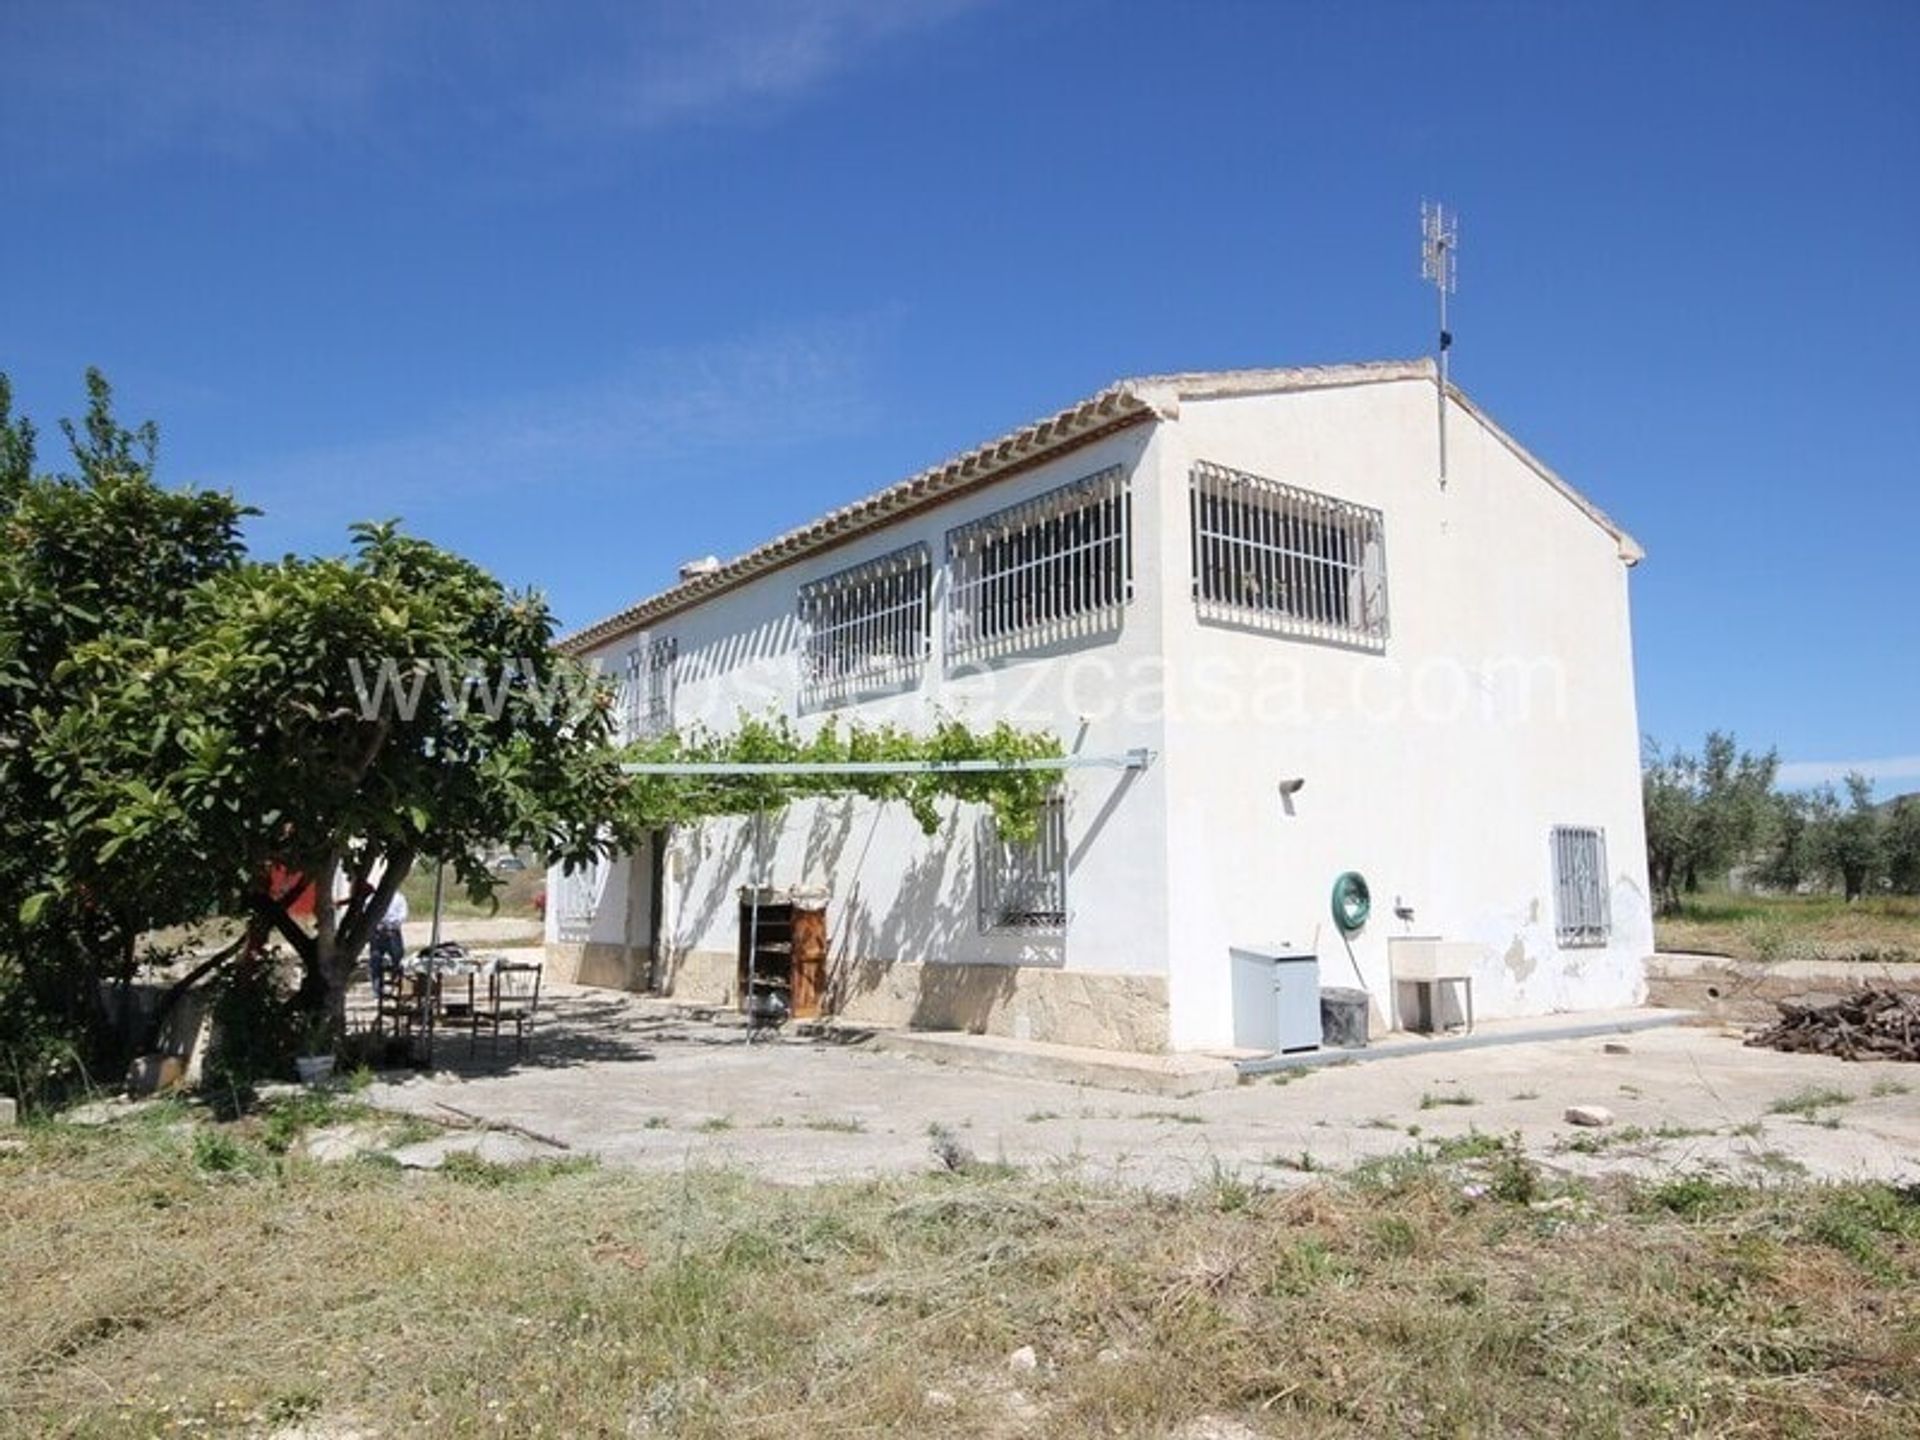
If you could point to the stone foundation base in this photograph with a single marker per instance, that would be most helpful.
(1099, 1010)
(617, 967)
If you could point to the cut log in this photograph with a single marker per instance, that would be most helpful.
(1873, 1023)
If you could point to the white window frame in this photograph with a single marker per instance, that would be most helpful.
(1275, 557)
(647, 686)
(581, 891)
(866, 629)
(1022, 885)
(1582, 902)
(1052, 570)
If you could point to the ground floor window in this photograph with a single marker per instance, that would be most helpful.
(1582, 912)
(1023, 884)
(579, 896)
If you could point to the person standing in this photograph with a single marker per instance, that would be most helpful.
(388, 947)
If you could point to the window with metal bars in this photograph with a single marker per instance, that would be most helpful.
(1049, 570)
(1276, 557)
(1023, 884)
(579, 896)
(866, 627)
(1582, 910)
(647, 688)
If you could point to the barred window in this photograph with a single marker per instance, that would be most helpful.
(579, 895)
(866, 627)
(1056, 568)
(1023, 884)
(647, 688)
(1582, 910)
(1280, 558)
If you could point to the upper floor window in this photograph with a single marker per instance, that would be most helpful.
(1582, 910)
(866, 627)
(1280, 558)
(1055, 568)
(1023, 884)
(646, 689)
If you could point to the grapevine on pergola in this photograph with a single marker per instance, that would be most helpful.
(1015, 797)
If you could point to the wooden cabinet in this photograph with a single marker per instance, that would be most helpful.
(783, 949)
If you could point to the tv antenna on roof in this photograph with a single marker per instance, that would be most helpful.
(1439, 242)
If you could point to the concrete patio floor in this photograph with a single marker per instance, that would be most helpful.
(636, 1084)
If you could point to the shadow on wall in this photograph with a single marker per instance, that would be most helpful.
(711, 864)
(930, 919)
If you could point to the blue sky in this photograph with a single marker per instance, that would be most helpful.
(584, 290)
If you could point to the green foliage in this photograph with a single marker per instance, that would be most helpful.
(218, 1153)
(256, 1030)
(354, 714)
(1704, 813)
(1851, 841)
(99, 553)
(1901, 844)
(1014, 796)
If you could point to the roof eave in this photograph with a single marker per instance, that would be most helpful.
(1117, 407)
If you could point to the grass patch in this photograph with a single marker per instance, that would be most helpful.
(155, 1292)
(1808, 1102)
(466, 1168)
(835, 1124)
(1172, 1117)
(1434, 1100)
(1882, 929)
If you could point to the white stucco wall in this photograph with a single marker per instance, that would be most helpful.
(1502, 706)
(896, 894)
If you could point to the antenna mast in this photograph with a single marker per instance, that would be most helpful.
(1439, 240)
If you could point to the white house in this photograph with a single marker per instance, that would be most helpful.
(1336, 659)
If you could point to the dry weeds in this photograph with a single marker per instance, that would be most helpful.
(163, 1283)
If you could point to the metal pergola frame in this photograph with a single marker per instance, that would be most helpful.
(1136, 759)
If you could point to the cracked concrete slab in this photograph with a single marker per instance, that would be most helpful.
(633, 1084)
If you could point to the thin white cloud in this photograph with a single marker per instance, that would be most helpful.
(668, 406)
(120, 78)
(674, 64)
(1798, 774)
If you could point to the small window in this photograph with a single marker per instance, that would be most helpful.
(1023, 884)
(579, 896)
(1050, 570)
(866, 628)
(1276, 557)
(1582, 909)
(647, 688)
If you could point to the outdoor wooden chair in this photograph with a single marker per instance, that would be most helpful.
(510, 1002)
(405, 1009)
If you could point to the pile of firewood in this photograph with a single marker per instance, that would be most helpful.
(1870, 1024)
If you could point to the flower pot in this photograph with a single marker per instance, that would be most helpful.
(313, 1069)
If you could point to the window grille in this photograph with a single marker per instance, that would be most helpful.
(1582, 908)
(1280, 558)
(1055, 568)
(580, 891)
(866, 627)
(1023, 884)
(647, 688)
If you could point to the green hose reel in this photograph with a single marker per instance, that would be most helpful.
(1352, 902)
